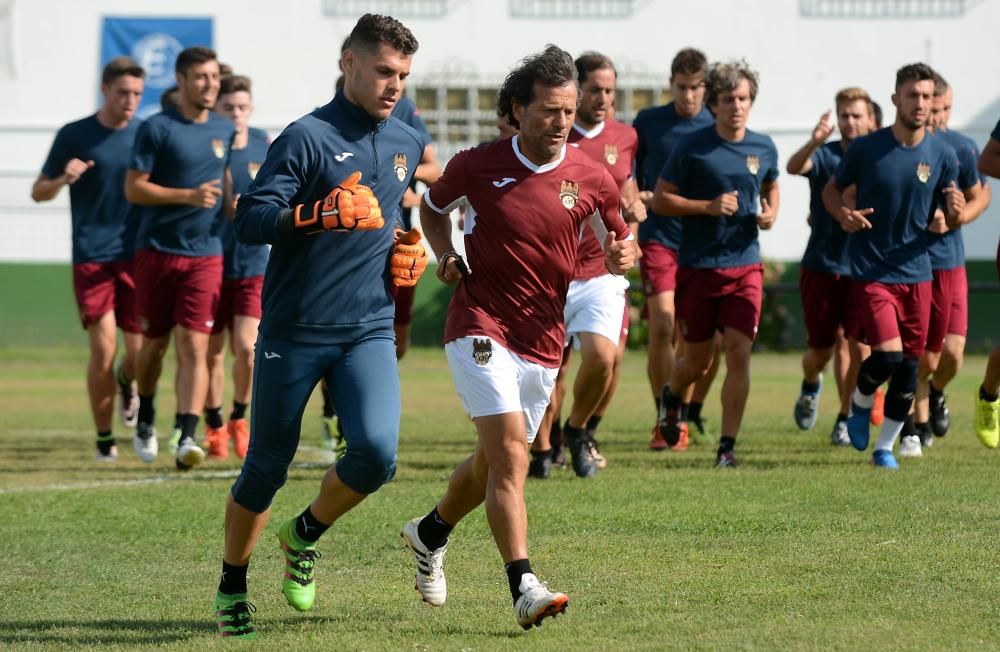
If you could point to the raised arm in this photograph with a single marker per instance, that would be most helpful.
(800, 162)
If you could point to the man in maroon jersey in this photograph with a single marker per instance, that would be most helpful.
(595, 303)
(529, 198)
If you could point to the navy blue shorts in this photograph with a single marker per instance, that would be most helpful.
(364, 380)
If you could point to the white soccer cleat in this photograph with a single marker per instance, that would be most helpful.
(537, 602)
(128, 408)
(909, 446)
(430, 581)
(144, 443)
(189, 454)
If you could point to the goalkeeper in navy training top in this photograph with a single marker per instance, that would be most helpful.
(327, 306)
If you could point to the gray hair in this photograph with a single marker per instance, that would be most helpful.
(726, 77)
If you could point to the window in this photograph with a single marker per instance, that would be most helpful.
(875, 9)
(571, 8)
(395, 8)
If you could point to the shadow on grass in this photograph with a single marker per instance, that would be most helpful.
(105, 631)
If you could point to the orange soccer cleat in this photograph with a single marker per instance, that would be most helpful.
(217, 443)
(239, 431)
(878, 408)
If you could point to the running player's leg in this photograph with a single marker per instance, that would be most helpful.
(593, 379)
(699, 393)
(547, 449)
(216, 439)
(127, 318)
(735, 390)
(953, 351)
(243, 336)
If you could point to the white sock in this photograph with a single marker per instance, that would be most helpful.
(862, 400)
(890, 430)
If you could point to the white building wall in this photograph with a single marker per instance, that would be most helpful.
(49, 68)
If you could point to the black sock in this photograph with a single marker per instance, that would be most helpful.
(105, 441)
(983, 394)
(213, 417)
(685, 408)
(918, 427)
(555, 434)
(726, 444)
(694, 410)
(308, 528)
(922, 430)
(934, 392)
(239, 411)
(177, 421)
(541, 454)
(147, 412)
(673, 401)
(572, 432)
(234, 579)
(593, 422)
(189, 423)
(434, 530)
(909, 428)
(841, 417)
(515, 570)
(809, 388)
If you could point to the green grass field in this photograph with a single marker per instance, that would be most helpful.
(803, 547)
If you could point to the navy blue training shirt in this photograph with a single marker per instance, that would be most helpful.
(826, 250)
(947, 251)
(104, 223)
(903, 185)
(332, 287)
(178, 153)
(660, 129)
(241, 260)
(406, 111)
(704, 166)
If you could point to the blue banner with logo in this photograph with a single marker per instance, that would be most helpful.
(154, 43)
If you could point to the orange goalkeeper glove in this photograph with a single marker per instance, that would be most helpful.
(349, 207)
(409, 258)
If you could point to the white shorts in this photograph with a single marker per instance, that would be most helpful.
(595, 305)
(492, 380)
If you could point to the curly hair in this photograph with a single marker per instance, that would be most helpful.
(726, 77)
(552, 67)
(373, 29)
(916, 72)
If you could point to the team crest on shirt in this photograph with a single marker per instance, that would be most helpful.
(252, 169)
(753, 164)
(482, 350)
(218, 147)
(611, 154)
(399, 165)
(569, 193)
(923, 172)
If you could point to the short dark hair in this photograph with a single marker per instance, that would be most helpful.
(119, 67)
(551, 67)
(225, 70)
(877, 112)
(235, 84)
(590, 61)
(940, 85)
(193, 56)
(914, 72)
(168, 98)
(725, 77)
(373, 29)
(689, 61)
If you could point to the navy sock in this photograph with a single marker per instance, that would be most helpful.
(726, 444)
(434, 530)
(308, 528)
(983, 394)
(189, 423)
(694, 410)
(515, 570)
(234, 579)
(809, 388)
(105, 441)
(594, 421)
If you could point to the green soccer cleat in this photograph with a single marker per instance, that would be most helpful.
(299, 586)
(174, 441)
(232, 615)
(987, 421)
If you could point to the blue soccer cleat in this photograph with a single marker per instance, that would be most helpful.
(884, 459)
(858, 424)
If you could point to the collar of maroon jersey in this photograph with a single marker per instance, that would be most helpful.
(552, 165)
(593, 133)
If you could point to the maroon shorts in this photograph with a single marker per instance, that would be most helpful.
(177, 290)
(240, 297)
(949, 307)
(826, 305)
(658, 268)
(889, 310)
(404, 304)
(709, 300)
(103, 287)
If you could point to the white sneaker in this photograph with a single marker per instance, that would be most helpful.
(144, 443)
(839, 436)
(112, 455)
(537, 602)
(909, 446)
(430, 581)
(189, 454)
